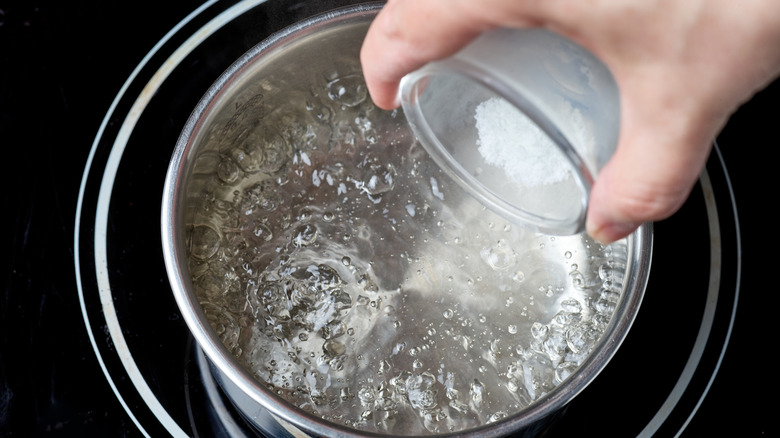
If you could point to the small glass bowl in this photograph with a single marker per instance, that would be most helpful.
(523, 119)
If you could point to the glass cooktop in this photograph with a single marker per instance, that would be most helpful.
(93, 343)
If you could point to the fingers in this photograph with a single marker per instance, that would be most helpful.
(649, 177)
(619, 205)
(406, 34)
(401, 39)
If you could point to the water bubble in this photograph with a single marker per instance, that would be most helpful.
(571, 305)
(204, 242)
(378, 180)
(448, 313)
(539, 331)
(248, 159)
(366, 395)
(564, 370)
(333, 348)
(500, 256)
(227, 171)
(512, 329)
(496, 416)
(333, 329)
(263, 232)
(304, 235)
(419, 389)
(538, 375)
(477, 393)
(348, 90)
(320, 111)
(275, 155)
(581, 338)
(577, 280)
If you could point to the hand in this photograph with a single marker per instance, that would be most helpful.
(682, 68)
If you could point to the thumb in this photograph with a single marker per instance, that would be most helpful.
(648, 179)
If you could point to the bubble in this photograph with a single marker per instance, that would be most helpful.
(422, 399)
(539, 331)
(378, 180)
(275, 154)
(512, 329)
(448, 313)
(333, 348)
(249, 159)
(477, 393)
(319, 111)
(348, 90)
(334, 329)
(261, 196)
(500, 256)
(366, 395)
(227, 171)
(420, 392)
(304, 235)
(263, 232)
(564, 370)
(577, 280)
(581, 338)
(571, 305)
(538, 375)
(204, 242)
(496, 416)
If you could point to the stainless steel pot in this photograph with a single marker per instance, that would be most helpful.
(321, 48)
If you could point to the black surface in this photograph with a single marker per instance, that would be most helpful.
(61, 66)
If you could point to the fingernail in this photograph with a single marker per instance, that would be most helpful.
(612, 231)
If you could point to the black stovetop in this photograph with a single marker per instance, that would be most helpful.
(61, 68)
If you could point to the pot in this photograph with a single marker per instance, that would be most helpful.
(340, 285)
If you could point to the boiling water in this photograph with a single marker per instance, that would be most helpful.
(353, 278)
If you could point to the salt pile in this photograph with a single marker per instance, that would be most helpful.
(509, 140)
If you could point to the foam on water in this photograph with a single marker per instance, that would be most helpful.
(353, 278)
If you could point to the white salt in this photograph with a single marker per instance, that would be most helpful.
(509, 140)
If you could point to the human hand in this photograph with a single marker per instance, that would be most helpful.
(682, 68)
